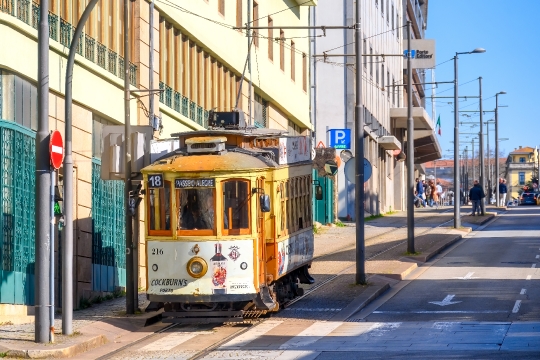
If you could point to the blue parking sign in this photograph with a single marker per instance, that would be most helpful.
(340, 138)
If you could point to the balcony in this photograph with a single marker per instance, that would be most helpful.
(415, 10)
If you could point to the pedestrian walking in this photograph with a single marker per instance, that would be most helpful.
(503, 190)
(476, 194)
(440, 192)
(420, 191)
(429, 190)
(434, 195)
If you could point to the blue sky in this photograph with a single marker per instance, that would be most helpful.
(509, 31)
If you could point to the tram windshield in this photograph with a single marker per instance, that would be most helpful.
(196, 209)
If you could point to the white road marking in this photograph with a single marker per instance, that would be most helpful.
(57, 149)
(466, 277)
(523, 292)
(516, 306)
(538, 256)
(529, 277)
(312, 334)
(533, 266)
(446, 301)
(314, 309)
(172, 340)
(440, 312)
(251, 335)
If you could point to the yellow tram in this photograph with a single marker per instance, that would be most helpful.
(229, 229)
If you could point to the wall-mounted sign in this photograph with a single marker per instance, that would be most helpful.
(422, 53)
(194, 183)
(294, 149)
(340, 138)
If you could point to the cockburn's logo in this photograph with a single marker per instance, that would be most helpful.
(418, 54)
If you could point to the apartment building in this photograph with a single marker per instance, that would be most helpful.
(384, 99)
(521, 168)
(198, 61)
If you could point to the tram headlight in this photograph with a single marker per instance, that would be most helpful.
(197, 267)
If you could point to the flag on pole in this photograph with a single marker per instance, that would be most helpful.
(438, 125)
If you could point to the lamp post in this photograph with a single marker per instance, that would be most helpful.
(457, 218)
(481, 155)
(497, 141)
(489, 177)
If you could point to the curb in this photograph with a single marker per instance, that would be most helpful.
(427, 257)
(65, 352)
(360, 302)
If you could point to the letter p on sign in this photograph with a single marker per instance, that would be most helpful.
(340, 138)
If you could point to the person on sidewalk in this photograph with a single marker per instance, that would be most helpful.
(503, 190)
(440, 193)
(476, 194)
(420, 190)
(434, 195)
(429, 191)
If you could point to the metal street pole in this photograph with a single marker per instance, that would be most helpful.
(248, 25)
(488, 165)
(410, 149)
(359, 156)
(51, 254)
(457, 190)
(42, 238)
(130, 291)
(67, 246)
(481, 143)
(151, 63)
(497, 142)
(473, 165)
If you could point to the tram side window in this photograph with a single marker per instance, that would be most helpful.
(196, 209)
(236, 204)
(159, 208)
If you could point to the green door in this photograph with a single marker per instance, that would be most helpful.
(108, 232)
(17, 223)
(323, 210)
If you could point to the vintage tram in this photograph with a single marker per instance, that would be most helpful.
(229, 231)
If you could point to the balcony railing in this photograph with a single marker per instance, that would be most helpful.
(62, 31)
(183, 105)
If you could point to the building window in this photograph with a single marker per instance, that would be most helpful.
(261, 112)
(521, 159)
(388, 83)
(255, 23)
(393, 91)
(294, 129)
(304, 72)
(282, 50)
(97, 133)
(521, 178)
(293, 67)
(239, 14)
(387, 12)
(377, 70)
(365, 52)
(18, 100)
(221, 7)
(377, 3)
(382, 8)
(393, 24)
(270, 39)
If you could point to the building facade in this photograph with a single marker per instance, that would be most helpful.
(521, 170)
(198, 61)
(384, 99)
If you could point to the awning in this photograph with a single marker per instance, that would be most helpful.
(422, 121)
(426, 147)
(389, 143)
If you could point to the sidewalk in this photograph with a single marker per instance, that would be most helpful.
(105, 327)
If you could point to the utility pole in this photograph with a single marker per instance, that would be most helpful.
(151, 65)
(410, 149)
(359, 155)
(42, 236)
(481, 143)
(130, 276)
(248, 25)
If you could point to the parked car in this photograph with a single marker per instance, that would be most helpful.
(528, 198)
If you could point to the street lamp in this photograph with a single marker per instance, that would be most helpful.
(457, 219)
(489, 167)
(497, 142)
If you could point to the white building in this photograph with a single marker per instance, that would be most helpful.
(333, 95)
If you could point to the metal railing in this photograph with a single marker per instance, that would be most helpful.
(181, 104)
(62, 31)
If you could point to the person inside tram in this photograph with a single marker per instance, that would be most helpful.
(210, 215)
(192, 219)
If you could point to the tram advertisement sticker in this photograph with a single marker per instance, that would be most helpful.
(227, 267)
(155, 180)
(194, 183)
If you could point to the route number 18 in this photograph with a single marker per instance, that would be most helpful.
(155, 180)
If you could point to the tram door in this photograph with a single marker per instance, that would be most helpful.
(261, 241)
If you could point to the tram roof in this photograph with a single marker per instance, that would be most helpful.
(228, 161)
(248, 132)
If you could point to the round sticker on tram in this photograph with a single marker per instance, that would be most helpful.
(154, 267)
(243, 265)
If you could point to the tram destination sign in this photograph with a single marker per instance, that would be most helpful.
(194, 183)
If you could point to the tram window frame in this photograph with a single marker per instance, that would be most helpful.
(178, 209)
(295, 205)
(163, 199)
(249, 196)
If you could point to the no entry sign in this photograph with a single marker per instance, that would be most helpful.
(56, 149)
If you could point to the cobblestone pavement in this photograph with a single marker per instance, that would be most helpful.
(97, 312)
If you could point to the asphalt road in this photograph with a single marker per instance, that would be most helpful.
(491, 276)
